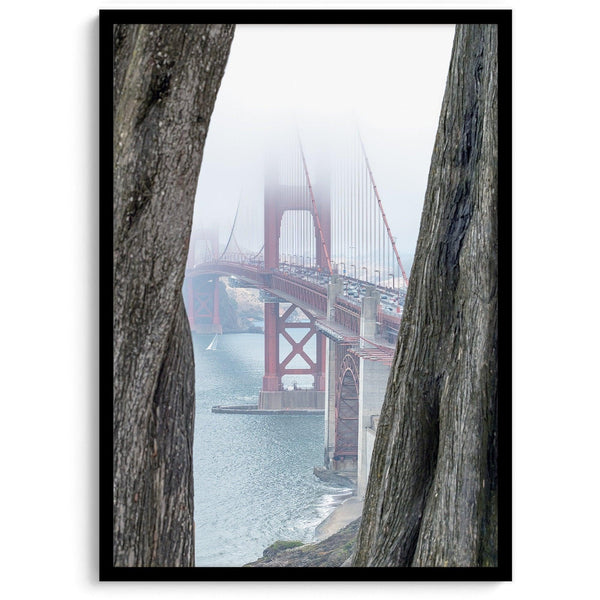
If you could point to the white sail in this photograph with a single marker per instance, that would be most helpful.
(213, 343)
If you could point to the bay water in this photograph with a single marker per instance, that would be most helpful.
(253, 474)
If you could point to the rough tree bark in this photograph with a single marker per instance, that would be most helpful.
(431, 498)
(166, 79)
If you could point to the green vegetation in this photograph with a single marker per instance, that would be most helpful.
(280, 546)
(330, 552)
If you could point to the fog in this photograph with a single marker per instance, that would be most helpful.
(318, 83)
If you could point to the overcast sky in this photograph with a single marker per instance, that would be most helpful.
(388, 80)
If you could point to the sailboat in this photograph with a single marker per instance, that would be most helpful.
(213, 343)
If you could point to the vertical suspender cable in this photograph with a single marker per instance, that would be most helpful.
(391, 239)
(333, 211)
(315, 211)
(363, 219)
(295, 234)
(354, 214)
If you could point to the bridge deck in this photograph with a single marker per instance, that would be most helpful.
(312, 297)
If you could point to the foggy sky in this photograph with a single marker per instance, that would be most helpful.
(322, 80)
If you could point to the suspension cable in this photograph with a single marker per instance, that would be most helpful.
(232, 227)
(389, 232)
(314, 207)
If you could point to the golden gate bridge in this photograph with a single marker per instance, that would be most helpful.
(328, 265)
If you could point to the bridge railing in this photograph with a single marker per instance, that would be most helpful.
(347, 311)
(388, 324)
(347, 314)
(252, 272)
(305, 291)
(242, 258)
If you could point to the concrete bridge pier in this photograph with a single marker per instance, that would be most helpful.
(354, 396)
(372, 384)
(334, 288)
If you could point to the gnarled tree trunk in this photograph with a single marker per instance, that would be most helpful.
(431, 497)
(166, 79)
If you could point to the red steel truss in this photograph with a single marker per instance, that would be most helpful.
(278, 325)
(201, 296)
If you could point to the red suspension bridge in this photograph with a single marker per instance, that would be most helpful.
(327, 267)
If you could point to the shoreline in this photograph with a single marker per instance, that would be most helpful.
(343, 514)
(332, 546)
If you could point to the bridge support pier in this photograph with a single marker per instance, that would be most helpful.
(291, 400)
(201, 298)
(355, 391)
(272, 378)
(274, 395)
(373, 382)
(333, 290)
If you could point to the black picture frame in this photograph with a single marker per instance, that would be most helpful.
(503, 18)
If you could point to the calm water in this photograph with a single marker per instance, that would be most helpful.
(253, 473)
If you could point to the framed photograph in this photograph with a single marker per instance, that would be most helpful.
(305, 295)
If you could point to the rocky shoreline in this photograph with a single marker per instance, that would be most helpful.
(325, 474)
(336, 538)
(333, 551)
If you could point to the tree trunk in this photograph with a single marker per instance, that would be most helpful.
(431, 497)
(166, 79)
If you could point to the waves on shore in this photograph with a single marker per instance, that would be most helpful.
(331, 501)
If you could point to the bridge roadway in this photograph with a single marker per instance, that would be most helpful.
(340, 323)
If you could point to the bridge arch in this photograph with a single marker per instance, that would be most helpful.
(346, 413)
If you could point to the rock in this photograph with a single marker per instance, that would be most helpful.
(334, 478)
(280, 546)
(331, 552)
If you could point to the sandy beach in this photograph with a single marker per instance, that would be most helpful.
(344, 514)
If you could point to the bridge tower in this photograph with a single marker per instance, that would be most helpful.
(201, 292)
(280, 197)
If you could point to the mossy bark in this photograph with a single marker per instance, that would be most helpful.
(166, 79)
(431, 496)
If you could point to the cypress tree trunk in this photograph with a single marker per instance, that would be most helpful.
(166, 79)
(431, 496)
